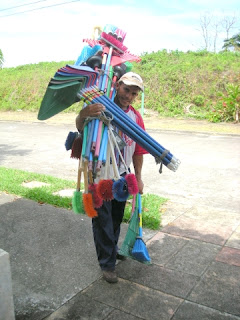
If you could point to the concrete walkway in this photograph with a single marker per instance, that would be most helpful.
(195, 271)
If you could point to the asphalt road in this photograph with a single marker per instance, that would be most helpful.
(209, 172)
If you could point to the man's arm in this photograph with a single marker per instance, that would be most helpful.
(137, 164)
(92, 110)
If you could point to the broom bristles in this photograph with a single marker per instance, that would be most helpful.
(77, 202)
(88, 205)
(132, 183)
(116, 44)
(97, 201)
(77, 148)
(120, 190)
(139, 251)
(104, 189)
(70, 139)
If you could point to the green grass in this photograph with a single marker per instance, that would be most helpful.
(11, 181)
(172, 80)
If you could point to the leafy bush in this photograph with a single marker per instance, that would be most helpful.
(173, 80)
(228, 105)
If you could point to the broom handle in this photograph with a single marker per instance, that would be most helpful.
(79, 174)
(117, 147)
(86, 176)
(140, 214)
(107, 163)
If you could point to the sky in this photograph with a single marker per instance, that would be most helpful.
(34, 31)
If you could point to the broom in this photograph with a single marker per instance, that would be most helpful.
(132, 231)
(139, 251)
(87, 197)
(104, 187)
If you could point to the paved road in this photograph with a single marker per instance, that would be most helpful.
(195, 271)
(209, 171)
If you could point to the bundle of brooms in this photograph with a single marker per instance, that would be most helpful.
(97, 146)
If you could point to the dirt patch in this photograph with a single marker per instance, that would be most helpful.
(151, 120)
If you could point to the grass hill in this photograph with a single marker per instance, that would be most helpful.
(199, 85)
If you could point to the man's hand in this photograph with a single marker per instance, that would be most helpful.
(92, 110)
(137, 164)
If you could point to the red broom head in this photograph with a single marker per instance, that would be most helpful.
(97, 201)
(104, 189)
(77, 148)
(88, 205)
(132, 183)
(116, 44)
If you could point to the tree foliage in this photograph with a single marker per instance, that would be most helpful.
(233, 42)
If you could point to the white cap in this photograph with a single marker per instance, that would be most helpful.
(132, 79)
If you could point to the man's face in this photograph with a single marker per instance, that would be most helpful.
(125, 95)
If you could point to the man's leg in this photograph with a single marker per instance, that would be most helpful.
(104, 237)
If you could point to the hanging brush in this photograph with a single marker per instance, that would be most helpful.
(119, 187)
(97, 201)
(77, 146)
(92, 188)
(87, 197)
(70, 139)
(104, 187)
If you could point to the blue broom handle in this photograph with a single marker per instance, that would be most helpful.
(118, 113)
(126, 120)
(119, 122)
(90, 137)
(102, 147)
(140, 214)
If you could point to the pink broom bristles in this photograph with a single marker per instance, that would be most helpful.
(88, 205)
(97, 201)
(110, 40)
(132, 183)
(104, 189)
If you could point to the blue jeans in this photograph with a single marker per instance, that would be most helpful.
(106, 231)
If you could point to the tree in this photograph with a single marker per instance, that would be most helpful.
(233, 42)
(228, 23)
(212, 27)
(205, 22)
(1, 59)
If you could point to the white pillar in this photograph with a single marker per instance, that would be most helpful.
(6, 297)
